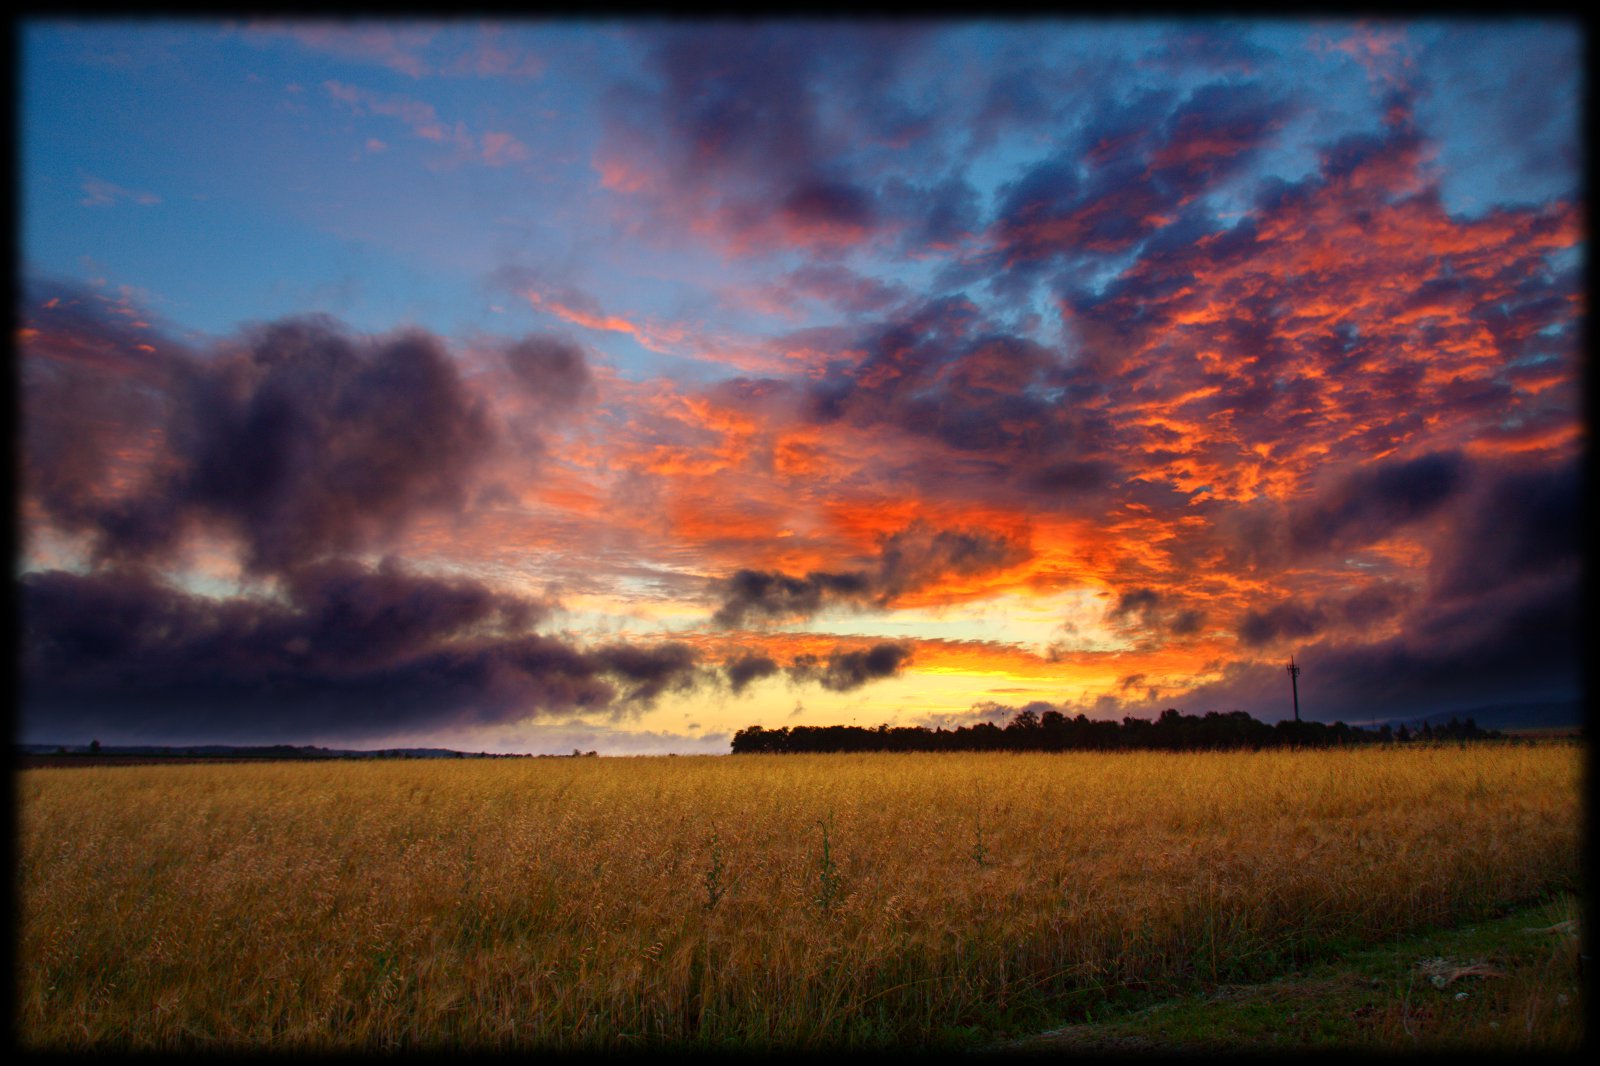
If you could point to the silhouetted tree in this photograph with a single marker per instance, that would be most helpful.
(1033, 729)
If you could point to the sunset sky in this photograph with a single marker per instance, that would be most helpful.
(617, 385)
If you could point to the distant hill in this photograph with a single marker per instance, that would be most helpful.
(1540, 714)
(257, 751)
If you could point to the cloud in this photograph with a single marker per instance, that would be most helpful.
(733, 139)
(838, 286)
(1377, 500)
(339, 649)
(942, 216)
(920, 555)
(649, 671)
(1190, 47)
(355, 617)
(100, 193)
(343, 650)
(760, 596)
(491, 147)
(553, 371)
(1504, 108)
(1518, 647)
(396, 48)
(845, 670)
(1283, 620)
(299, 441)
(314, 442)
(748, 669)
(1072, 477)
(580, 309)
(1496, 622)
(1131, 171)
(1329, 410)
(498, 148)
(413, 49)
(420, 116)
(909, 560)
(936, 371)
(496, 55)
(1385, 52)
(1525, 524)
(1155, 611)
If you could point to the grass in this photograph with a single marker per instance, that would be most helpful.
(751, 902)
(1511, 983)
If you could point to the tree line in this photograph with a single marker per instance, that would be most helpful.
(1052, 730)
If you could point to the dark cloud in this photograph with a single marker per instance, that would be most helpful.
(301, 441)
(739, 101)
(94, 388)
(762, 596)
(1013, 422)
(910, 559)
(1016, 97)
(1302, 618)
(351, 616)
(304, 444)
(1527, 523)
(552, 369)
(1073, 477)
(748, 669)
(1375, 501)
(1496, 625)
(940, 371)
(1138, 600)
(736, 126)
(1517, 646)
(79, 420)
(1131, 171)
(921, 554)
(845, 670)
(315, 442)
(1373, 603)
(1281, 621)
(551, 379)
(1185, 623)
(819, 201)
(840, 287)
(937, 216)
(1191, 47)
(648, 670)
(1156, 612)
(342, 651)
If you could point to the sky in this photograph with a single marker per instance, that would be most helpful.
(617, 385)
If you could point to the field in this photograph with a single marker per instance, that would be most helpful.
(744, 902)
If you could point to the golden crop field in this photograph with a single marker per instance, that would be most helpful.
(733, 901)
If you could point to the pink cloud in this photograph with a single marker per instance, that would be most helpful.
(1381, 50)
(495, 57)
(655, 337)
(494, 148)
(383, 45)
(502, 148)
(100, 193)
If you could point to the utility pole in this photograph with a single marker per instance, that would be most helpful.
(1294, 685)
